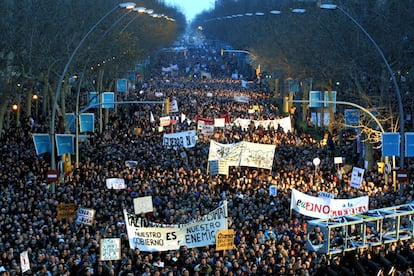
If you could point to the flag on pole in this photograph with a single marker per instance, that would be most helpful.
(42, 143)
(65, 143)
(87, 122)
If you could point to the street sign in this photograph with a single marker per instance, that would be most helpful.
(390, 144)
(387, 167)
(402, 175)
(52, 175)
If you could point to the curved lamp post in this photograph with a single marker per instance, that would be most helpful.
(394, 80)
(139, 10)
(129, 5)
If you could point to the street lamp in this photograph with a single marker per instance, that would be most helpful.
(15, 108)
(298, 10)
(35, 98)
(139, 10)
(316, 162)
(128, 6)
(394, 80)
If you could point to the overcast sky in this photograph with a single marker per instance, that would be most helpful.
(191, 7)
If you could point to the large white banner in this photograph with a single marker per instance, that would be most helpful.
(284, 123)
(150, 237)
(185, 139)
(257, 155)
(226, 152)
(323, 208)
(243, 154)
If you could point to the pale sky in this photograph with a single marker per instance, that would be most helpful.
(191, 7)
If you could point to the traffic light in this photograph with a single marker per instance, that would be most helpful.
(258, 72)
(285, 104)
(67, 163)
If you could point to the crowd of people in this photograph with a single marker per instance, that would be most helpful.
(269, 239)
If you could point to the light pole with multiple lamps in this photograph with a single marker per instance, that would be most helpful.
(387, 65)
(128, 6)
(139, 11)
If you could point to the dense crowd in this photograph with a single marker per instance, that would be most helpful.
(269, 239)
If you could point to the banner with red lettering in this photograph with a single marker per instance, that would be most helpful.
(206, 121)
(323, 208)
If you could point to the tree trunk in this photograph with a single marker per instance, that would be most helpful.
(3, 113)
(369, 154)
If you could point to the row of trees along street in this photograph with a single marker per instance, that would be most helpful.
(38, 37)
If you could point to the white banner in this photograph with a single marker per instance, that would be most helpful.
(243, 154)
(115, 183)
(197, 233)
(257, 155)
(219, 122)
(241, 99)
(323, 208)
(226, 152)
(284, 123)
(185, 139)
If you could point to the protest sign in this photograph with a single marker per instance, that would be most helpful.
(115, 183)
(24, 261)
(225, 239)
(66, 211)
(143, 205)
(356, 177)
(110, 249)
(85, 216)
